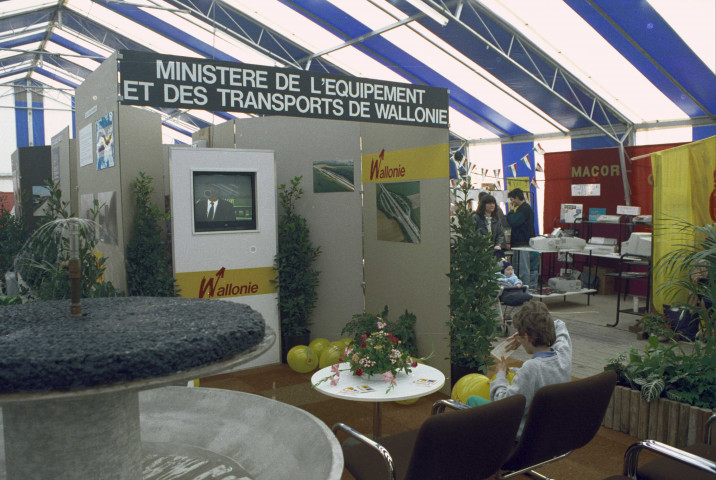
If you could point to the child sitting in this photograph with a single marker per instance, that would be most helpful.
(508, 275)
(549, 344)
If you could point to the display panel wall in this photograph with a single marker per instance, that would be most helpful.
(307, 147)
(64, 167)
(407, 260)
(226, 263)
(343, 223)
(114, 143)
(31, 167)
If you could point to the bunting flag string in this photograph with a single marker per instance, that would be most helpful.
(538, 167)
(534, 182)
(513, 169)
(539, 149)
(497, 173)
(526, 160)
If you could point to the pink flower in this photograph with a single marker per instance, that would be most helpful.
(414, 364)
(359, 372)
(340, 359)
(389, 378)
(362, 344)
(334, 369)
(363, 337)
(381, 325)
(394, 339)
(334, 380)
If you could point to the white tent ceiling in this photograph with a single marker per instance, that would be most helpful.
(515, 69)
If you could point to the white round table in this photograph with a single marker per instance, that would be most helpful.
(421, 381)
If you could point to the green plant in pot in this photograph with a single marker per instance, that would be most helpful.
(473, 291)
(296, 275)
(148, 271)
(680, 370)
(43, 264)
(13, 234)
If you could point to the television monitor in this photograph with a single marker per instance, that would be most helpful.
(224, 201)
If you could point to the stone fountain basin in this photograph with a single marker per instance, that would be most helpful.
(220, 430)
(268, 439)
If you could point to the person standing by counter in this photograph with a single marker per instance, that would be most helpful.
(522, 220)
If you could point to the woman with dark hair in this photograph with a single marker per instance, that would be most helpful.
(488, 223)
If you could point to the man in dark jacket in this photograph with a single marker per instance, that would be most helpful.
(522, 221)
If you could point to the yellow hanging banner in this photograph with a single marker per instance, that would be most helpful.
(684, 191)
(409, 164)
(225, 283)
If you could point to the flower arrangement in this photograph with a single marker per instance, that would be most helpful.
(378, 353)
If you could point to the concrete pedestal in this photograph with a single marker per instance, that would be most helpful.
(94, 436)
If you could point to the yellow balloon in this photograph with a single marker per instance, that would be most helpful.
(510, 375)
(331, 355)
(409, 401)
(318, 345)
(338, 344)
(302, 359)
(346, 341)
(469, 385)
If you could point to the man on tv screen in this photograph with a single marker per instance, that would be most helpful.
(211, 208)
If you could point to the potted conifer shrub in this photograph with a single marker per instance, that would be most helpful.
(148, 272)
(297, 276)
(473, 292)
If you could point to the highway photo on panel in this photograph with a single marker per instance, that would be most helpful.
(333, 176)
(398, 211)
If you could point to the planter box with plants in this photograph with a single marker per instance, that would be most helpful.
(667, 391)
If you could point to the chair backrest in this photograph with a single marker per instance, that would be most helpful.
(466, 444)
(561, 418)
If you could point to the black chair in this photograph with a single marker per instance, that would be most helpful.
(470, 443)
(674, 464)
(561, 418)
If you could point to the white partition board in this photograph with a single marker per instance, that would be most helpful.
(201, 256)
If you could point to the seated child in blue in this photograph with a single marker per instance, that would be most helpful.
(508, 275)
(549, 344)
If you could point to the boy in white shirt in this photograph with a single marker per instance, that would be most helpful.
(549, 344)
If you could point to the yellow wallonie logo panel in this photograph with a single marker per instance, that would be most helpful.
(409, 164)
(225, 283)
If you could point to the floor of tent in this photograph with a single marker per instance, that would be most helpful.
(593, 344)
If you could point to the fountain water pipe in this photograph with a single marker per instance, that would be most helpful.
(74, 270)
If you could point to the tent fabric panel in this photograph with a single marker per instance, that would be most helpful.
(256, 33)
(67, 65)
(589, 143)
(91, 29)
(511, 75)
(59, 78)
(22, 138)
(700, 133)
(23, 20)
(75, 47)
(481, 113)
(15, 42)
(170, 31)
(38, 123)
(512, 153)
(383, 50)
(659, 41)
